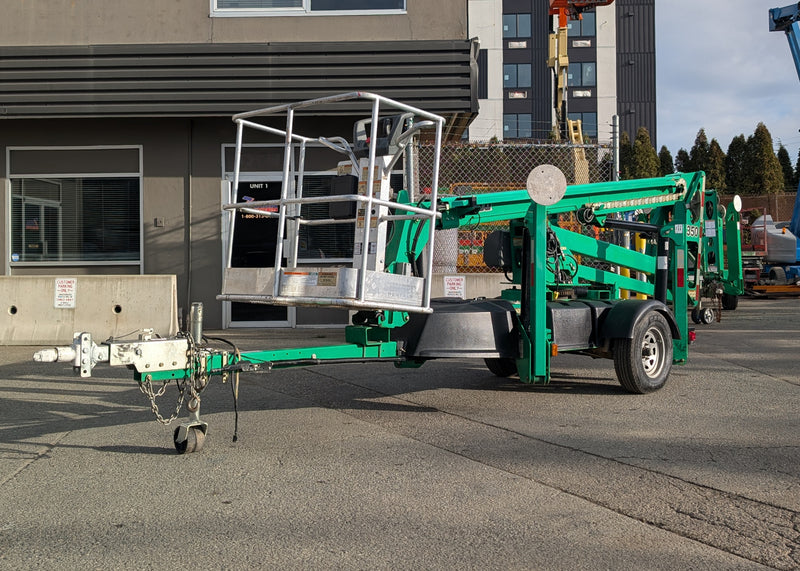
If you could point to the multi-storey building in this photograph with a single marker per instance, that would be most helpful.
(611, 70)
(115, 125)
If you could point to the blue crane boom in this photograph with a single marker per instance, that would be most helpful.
(787, 20)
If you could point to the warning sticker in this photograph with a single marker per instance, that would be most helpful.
(327, 279)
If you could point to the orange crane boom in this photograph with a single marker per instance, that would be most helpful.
(571, 9)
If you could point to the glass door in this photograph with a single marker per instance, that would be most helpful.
(254, 245)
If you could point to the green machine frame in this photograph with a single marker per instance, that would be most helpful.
(552, 265)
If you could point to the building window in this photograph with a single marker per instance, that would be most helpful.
(300, 7)
(517, 126)
(325, 242)
(588, 123)
(74, 218)
(516, 25)
(584, 27)
(582, 74)
(516, 75)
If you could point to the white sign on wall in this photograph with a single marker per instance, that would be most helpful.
(65, 293)
(455, 286)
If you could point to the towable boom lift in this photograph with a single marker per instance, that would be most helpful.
(564, 293)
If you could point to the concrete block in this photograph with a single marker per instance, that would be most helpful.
(475, 285)
(44, 310)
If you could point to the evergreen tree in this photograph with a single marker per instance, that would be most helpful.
(763, 168)
(735, 178)
(625, 156)
(665, 157)
(715, 167)
(797, 170)
(786, 167)
(645, 159)
(698, 155)
(682, 161)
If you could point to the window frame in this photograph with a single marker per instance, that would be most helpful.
(572, 115)
(516, 116)
(54, 176)
(579, 26)
(516, 82)
(581, 75)
(529, 25)
(304, 10)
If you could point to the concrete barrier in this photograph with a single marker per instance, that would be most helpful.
(44, 310)
(469, 286)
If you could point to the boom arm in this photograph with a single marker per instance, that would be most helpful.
(787, 20)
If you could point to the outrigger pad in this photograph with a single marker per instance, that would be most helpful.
(479, 328)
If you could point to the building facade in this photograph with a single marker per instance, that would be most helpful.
(611, 69)
(115, 125)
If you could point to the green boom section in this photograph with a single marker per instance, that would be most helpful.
(220, 363)
(676, 206)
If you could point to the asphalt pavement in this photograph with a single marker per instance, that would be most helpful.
(444, 467)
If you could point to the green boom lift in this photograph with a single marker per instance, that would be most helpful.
(564, 290)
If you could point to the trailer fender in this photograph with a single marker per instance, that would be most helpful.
(621, 319)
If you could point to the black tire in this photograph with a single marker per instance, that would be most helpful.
(180, 445)
(696, 315)
(777, 276)
(195, 439)
(643, 362)
(730, 301)
(502, 366)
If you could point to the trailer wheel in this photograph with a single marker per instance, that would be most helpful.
(195, 439)
(643, 362)
(730, 301)
(707, 316)
(502, 366)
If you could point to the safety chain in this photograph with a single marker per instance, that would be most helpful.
(147, 389)
(195, 387)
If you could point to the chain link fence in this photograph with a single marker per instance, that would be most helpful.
(478, 168)
(779, 206)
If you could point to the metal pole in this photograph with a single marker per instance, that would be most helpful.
(287, 157)
(196, 321)
(615, 146)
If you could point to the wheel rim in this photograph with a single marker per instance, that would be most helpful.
(652, 352)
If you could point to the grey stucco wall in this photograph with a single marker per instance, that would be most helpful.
(93, 22)
(167, 182)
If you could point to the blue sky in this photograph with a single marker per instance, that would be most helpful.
(719, 67)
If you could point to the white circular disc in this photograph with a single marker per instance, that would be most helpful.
(546, 185)
(737, 203)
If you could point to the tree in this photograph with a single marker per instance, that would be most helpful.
(786, 167)
(735, 178)
(625, 156)
(645, 159)
(665, 157)
(763, 169)
(682, 161)
(797, 169)
(715, 167)
(698, 154)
